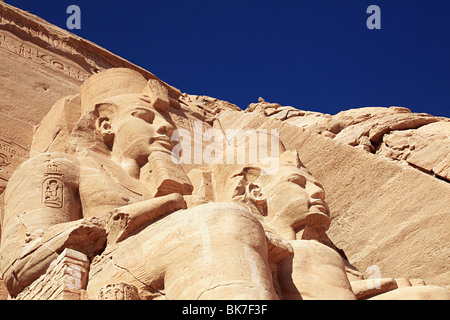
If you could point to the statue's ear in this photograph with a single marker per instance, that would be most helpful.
(248, 190)
(104, 123)
(246, 175)
(254, 194)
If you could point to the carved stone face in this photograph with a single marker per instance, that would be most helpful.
(136, 126)
(295, 199)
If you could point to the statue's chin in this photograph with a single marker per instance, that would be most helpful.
(315, 220)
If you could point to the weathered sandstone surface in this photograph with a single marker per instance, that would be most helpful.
(418, 139)
(358, 208)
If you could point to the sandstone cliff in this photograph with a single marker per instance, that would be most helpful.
(385, 212)
(386, 171)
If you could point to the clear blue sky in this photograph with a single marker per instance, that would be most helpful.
(314, 55)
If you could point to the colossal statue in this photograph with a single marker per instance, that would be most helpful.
(103, 200)
(290, 204)
(111, 196)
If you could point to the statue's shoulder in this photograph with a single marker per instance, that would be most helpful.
(63, 166)
(55, 162)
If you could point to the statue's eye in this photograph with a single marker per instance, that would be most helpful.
(298, 179)
(144, 114)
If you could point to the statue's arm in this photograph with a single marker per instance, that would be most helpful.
(42, 217)
(130, 218)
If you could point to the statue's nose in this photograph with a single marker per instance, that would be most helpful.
(162, 130)
(317, 192)
(164, 127)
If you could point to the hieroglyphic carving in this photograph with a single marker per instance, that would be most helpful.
(11, 155)
(4, 161)
(19, 21)
(57, 40)
(52, 38)
(119, 291)
(53, 196)
(53, 187)
(28, 51)
(87, 57)
(6, 153)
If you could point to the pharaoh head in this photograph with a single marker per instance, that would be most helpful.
(295, 199)
(289, 198)
(131, 113)
(120, 117)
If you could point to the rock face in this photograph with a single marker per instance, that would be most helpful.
(426, 148)
(117, 186)
(419, 139)
(382, 211)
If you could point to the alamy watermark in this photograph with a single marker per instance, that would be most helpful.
(74, 20)
(374, 279)
(74, 275)
(232, 146)
(374, 20)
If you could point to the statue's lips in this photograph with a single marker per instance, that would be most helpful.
(318, 206)
(162, 140)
